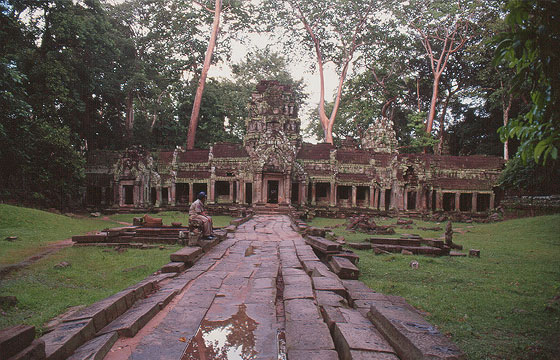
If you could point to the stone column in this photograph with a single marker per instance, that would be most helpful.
(457, 201)
(372, 197)
(439, 200)
(376, 193)
(492, 201)
(115, 187)
(301, 189)
(381, 192)
(474, 201)
(420, 199)
(231, 191)
(191, 192)
(173, 194)
(313, 193)
(158, 196)
(288, 191)
(240, 192)
(354, 195)
(305, 192)
(333, 194)
(120, 194)
(211, 191)
(103, 194)
(257, 189)
(405, 199)
(429, 200)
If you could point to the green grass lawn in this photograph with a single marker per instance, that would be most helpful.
(36, 229)
(44, 292)
(172, 216)
(494, 307)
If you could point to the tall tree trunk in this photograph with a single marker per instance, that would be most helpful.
(330, 124)
(442, 122)
(433, 103)
(129, 122)
(506, 108)
(200, 90)
(418, 94)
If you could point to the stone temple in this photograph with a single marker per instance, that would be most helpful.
(274, 168)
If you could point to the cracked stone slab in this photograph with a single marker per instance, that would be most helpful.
(410, 334)
(359, 337)
(301, 309)
(308, 335)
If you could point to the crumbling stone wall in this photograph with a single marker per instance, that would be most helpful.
(273, 165)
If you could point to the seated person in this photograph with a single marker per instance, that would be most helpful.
(198, 212)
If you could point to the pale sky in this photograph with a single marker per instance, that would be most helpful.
(298, 70)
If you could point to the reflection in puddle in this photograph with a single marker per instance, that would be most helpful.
(229, 339)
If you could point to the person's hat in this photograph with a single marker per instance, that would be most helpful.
(201, 195)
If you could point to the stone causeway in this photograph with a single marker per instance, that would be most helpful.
(259, 293)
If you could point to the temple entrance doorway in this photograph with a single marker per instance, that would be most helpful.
(272, 193)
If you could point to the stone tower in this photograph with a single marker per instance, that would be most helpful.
(273, 128)
(272, 141)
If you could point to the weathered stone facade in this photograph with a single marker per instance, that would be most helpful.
(274, 166)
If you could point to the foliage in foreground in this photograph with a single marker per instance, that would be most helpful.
(499, 306)
(530, 47)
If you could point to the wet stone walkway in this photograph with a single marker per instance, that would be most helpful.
(260, 294)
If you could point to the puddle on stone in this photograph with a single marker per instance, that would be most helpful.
(231, 339)
(282, 354)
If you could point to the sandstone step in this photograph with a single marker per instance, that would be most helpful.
(323, 245)
(344, 268)
(188, 254)
(14, 339)
(129, 323)
(173, 267)
(329, 284)
(350, 255)
(35, 351)
(156, 239)
(108, 309)
(67, 337)
(360, 246)
(395, 241)
(418, 250)
(94, 238)
(95, 349)
(363, 338)
(410, 334)
(433, 242)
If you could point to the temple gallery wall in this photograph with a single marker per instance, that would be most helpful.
(274, 166)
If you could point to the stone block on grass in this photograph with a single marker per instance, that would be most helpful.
(344, 268)
(173, 267)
